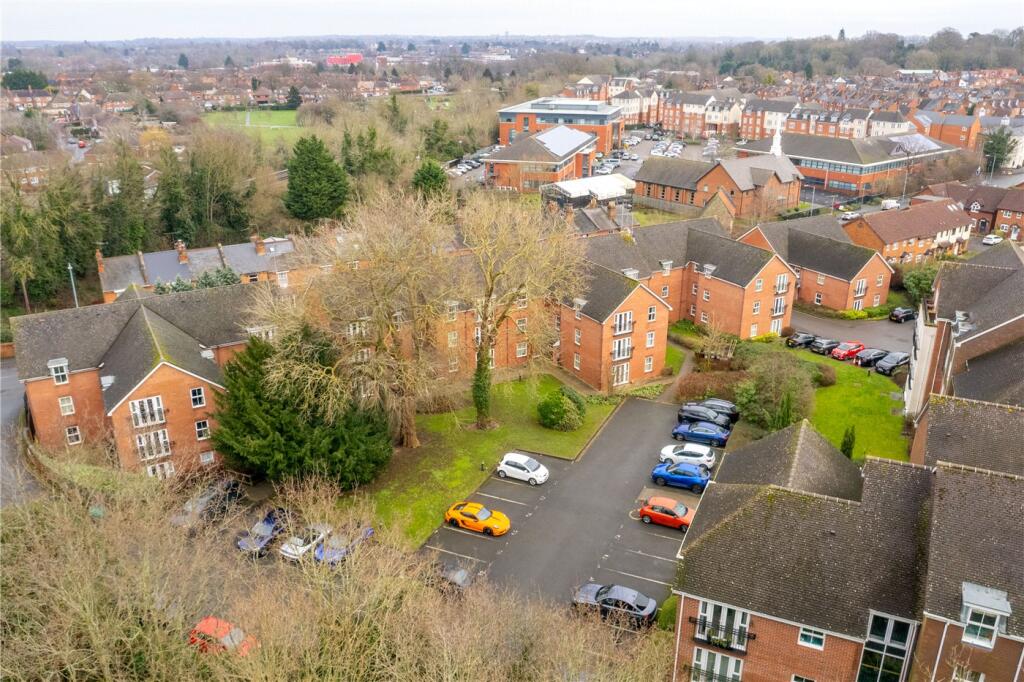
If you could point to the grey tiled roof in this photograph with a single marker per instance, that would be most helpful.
(822, 254)
(734, 261)
(755, 171)
(976, 530)
(989, 295)
(863, 151)
(918, 220)
(1005, 254)
(605, 291)
(823, 225)
(648, 246)
(798, 458)
(996, 376)
(974, 433)
(681, 173)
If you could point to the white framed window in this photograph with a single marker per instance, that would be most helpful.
(67, 405)
(981, 627)
(821, 278)
(649, 364)
(817, 298)
(282, 279)
(453, 339)
(357, 329)
(776, 326)
(694, 289)
(207, 458)
(664, 291)
(521, 325)
(73, 435)
(858, 304)
(152, 444)
(704, 316)
(203, 429)
(147, 411)
(577, 336)
(453, 363)
(576, 361)
(712, 665)
(779, 306)
(252, 278)
(879, 280)
(59, 370)
(693, 310)
(781, 283)
(707, 295)
(161, 470)
(758, 284)
(885, 650)
(650, 340)
(876, 300)
(620, 374)
(361, 355)
(198, 396)
(861, 287)
(812, 638)
(753, 330)
(577, 311)
(452, 310)
(962, 674)
(652, 313)
(478, 335)
(522, 348)
(265, 332)
(622, 322)
(757, 308)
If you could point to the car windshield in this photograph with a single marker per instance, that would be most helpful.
(601, 593)
(234, 637)
(845, 346)
(263, 528)
(680, 510)
(483, 514)
(642, 601)
(531, 464)
(894, 357)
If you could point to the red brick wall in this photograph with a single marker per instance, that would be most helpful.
(997, 664)
(590, 348)
(89, 416)
(607, 134)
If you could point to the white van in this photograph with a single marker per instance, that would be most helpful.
(890, 204)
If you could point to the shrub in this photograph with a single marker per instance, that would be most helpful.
(668, 371)
(577, 400)
(649, 392)
(778, 392)
(854, 314)
(558, 412)
(788, 331)
(667, 613)
(825, 375)
(879, 311)
(765, 338)
(701, 385)
(849, 440)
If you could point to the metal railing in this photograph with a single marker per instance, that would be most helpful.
(698, 674)
(781, 289)
(718, 635)
(623, 329)
(776, 311)
(622, 354)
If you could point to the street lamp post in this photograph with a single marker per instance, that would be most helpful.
(906, 176)
(71, 276)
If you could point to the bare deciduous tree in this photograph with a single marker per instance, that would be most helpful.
(514, 257)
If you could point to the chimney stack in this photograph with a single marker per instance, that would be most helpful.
(182, 252)
(261, 248)
(99, 261)
(611, 211)
(570, 214)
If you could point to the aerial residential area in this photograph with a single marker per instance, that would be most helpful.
(562, 343)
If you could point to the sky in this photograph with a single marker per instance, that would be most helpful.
(77, 20)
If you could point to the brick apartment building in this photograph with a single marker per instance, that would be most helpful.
(918, 233)
(703, 275)
(953, 129)
(762, 117)
(701, 114)
(855, 167)
(831, 271)
(551, 155)
(969, 337)
(755, 186)
(994, 209)
(800, 566)
(598, 118)
(595, 87)
(271, 259)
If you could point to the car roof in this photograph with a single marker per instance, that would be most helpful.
(663, 501)
(707, 424)
(213, 626)
(516, 457)
(624, 593)
(471, 507)
(695, 447)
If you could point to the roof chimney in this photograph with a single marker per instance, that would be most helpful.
(570, 214)
(261, 248)
(182, 252)
(611, 211)
(99, 261)
(142, 267)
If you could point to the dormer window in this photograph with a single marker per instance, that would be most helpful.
(984, 614)
(58, 370)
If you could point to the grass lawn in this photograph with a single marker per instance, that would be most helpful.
(269, 126)
(673, 357)
(860, 398)
(651, 216)
(419, 485)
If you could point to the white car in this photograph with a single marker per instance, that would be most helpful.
(991, 239)
(634, 157)
(522, 468)
(689, 453)
(298, 546)
(849, 215)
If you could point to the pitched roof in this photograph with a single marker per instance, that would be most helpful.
(861, 151)
(797, 458)
(1005, 254)
(997, 376)
(988, 295)
(976, 529)
(823, 225)
(974, 433)
(734, 261)
(681, 173)
(605, 291)
(918, 220)
(648, 247)
(828, 256)
(550, 146)
(755, 171)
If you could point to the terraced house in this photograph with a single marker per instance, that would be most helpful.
(921, 232)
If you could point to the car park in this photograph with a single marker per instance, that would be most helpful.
(298, 546)
(702, 432)
(340, 545)
(634, 157)
(664, 511)
(869, 356)
(213, 502)
(991, 239)
(800, 340)
(693, 412)
(603, 170)
(522, 468)
(891, 362)
(257, 539)
(615, 602)
(688, 476)
(723, 407)
(901, 315)
(823, 346)
(478, 518)
(212, 635)
(847, 349)
(688, 453)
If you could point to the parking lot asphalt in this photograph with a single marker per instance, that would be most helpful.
(578, 527)
(872, 333)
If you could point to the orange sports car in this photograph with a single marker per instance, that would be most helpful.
(475, 516)
(213, 635)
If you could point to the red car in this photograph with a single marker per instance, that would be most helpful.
(665, 511)
(213, 635)
(847, 349)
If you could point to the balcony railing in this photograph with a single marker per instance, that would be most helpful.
(622, 329)
(698, 674)
(777, 311)
(857, 293)
(781, 288)
(717, 635)
(624, 354)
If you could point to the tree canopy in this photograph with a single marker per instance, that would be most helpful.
(317, 185)
(430, 180)
(23, 79)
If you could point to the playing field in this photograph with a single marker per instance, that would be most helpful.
(269, 126)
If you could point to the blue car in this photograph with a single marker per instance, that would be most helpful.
(257, 539)
(702, 432)
(336, 548)
(681, 475)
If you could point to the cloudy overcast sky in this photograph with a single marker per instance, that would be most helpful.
(73, 20)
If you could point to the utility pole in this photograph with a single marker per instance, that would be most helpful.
(71, 276)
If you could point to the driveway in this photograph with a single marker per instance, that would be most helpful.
(16, 483)
(577, 527)
(872, 333)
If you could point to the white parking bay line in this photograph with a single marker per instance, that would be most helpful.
(652, 556)
(503, 499)
(677, 538)
(464, 532)
(463, 556)
(640, 577)
(499, 479)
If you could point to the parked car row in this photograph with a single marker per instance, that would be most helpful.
(883, 361)
(671, 150)
(464, 167)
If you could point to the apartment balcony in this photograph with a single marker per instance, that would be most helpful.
(698, 674)
(858, 293)
(622, 354)
(779, 312)
(782, 289)
(721, 637)
(623, 329)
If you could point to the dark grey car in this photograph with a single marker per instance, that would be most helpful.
(891, 362)
(694, 412)
(869, 356)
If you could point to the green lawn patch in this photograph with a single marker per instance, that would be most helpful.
(417, 486)
(267, 125)
(652, 216)
(861, 398)
(674, 357)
